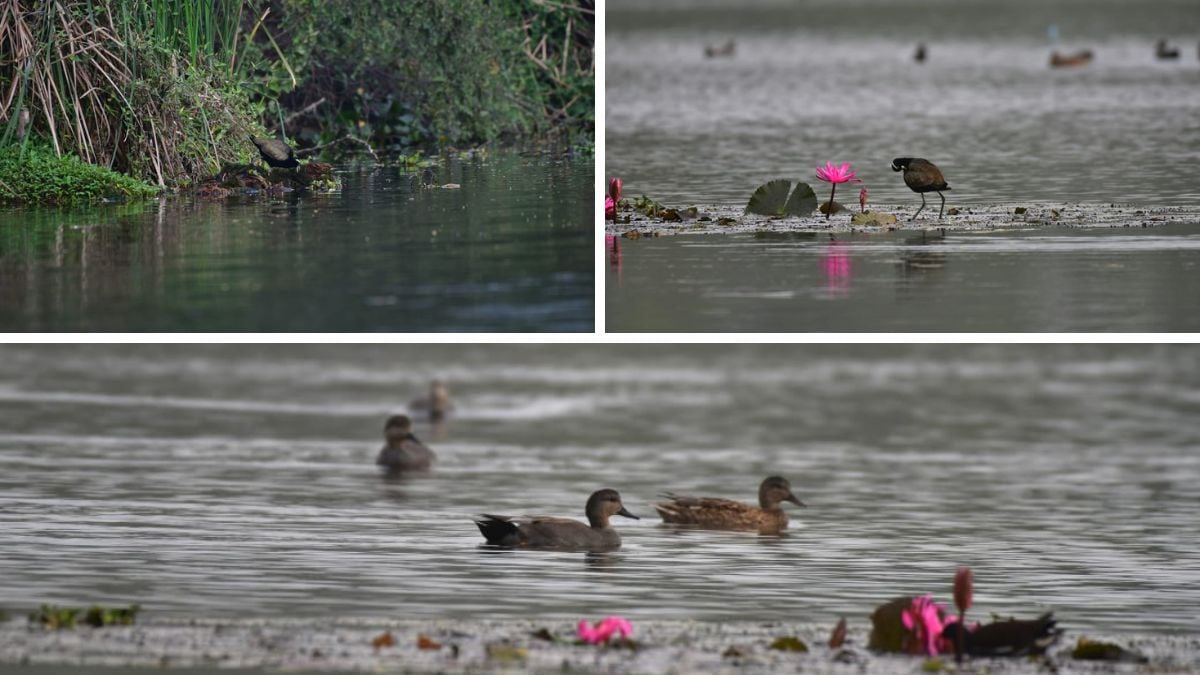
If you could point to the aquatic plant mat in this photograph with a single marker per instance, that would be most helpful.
(372, 645)
(714, 219)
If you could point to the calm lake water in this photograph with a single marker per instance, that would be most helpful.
(1057, 280)
(512, 250)
(237, 481)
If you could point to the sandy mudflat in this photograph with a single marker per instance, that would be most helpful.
(967, 218)
(345, 645)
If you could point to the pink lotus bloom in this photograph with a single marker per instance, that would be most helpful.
(604, 630)
(926, 619)
(862, 199)
(837, 174)
(610, 209)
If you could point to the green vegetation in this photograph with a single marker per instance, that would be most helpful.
(40, 176)
(59, 618)
(168, 90)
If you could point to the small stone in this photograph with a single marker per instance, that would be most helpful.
(952, 211)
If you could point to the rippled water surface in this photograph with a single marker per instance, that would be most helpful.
(834, 80)
(238, 481)
(1122, 279)
(511, 250)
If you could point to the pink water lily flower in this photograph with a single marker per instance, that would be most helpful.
(926, 619)
(610, 208)
(604, 630)
(835, 174)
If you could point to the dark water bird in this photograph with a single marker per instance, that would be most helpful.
(1164, 51)
(1079, 58)
(275, 153)
(402, 450)
(727, 49)
(1007, 638)
(726, 514)
(436, 404)
(921, 53)
(921, 176)
(560, 533)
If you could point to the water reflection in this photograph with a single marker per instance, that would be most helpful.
(836, 268)
(497, 254)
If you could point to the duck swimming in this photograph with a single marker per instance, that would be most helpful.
(436, 404)
(402, 450)
(725, 514)
(560, 533)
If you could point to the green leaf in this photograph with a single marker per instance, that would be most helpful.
(802, 202)
(789, 644)
(769, 199)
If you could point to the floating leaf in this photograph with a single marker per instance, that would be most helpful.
(873, 218)
(769, 199)
(734, 652)
(838, 638)
(726, 221)
(802, 202)
(506, 652)
(1094, 650)
(426, 642)
(544, 634)
(789, 644)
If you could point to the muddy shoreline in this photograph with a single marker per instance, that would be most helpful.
(719, 219)
(473, 646)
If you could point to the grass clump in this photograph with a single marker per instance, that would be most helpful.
(60, 618)
(39, 176)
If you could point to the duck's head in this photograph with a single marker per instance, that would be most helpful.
(604, 504)
(397, 428)
(774, 490)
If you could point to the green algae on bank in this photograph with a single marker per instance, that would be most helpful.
(722, 219)
(36, 175)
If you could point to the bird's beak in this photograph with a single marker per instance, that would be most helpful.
(625, 512)
(795, 500)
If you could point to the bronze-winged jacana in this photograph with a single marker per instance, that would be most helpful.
(275, 153)
(921, 176)
(1007, 638)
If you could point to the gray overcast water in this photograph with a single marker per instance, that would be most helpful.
(237, 481)
(834, 80)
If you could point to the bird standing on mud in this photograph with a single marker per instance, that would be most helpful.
(275, 153)
(921, 176)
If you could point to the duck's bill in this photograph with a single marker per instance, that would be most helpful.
(795, 500)
(625, 512)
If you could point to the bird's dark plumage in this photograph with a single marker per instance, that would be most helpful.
(559, 533)
(921, 176)
(275, 153)
(1008, 638)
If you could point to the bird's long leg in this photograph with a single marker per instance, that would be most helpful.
(942, 206)
(920, 209)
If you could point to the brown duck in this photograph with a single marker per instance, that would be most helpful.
(1007, 638)
(921, 176)
(276, 153)
(436, 404)
(560, 533)
(402, 450)
(725, 514)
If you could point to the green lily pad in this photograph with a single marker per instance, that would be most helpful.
(789, 644)
(802, 202)
(769, 199)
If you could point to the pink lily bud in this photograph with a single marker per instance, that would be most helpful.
(614, 189)
(964, 587)
(862, 199)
